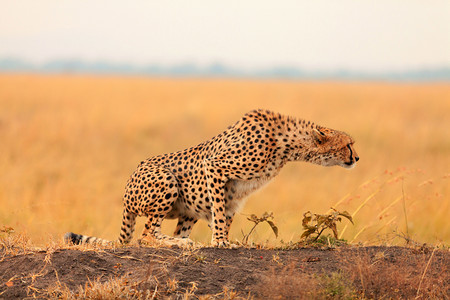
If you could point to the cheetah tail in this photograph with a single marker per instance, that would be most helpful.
(126, 233)
(78, 239)
(127, 228)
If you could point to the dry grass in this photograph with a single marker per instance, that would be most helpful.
(289, 284)
(69, 143)
(364, 276)
(123, 288)
(377, 276)
(114, 288)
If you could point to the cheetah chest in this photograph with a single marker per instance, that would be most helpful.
(238, 190)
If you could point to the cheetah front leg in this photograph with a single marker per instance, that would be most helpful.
(216, 192)
(228, 221)
(218, 224)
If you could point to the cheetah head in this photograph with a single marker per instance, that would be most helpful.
(332, 148)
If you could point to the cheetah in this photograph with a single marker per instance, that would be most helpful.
(211, 180)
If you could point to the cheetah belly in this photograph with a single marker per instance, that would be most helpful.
(235, 197)
(238, 190)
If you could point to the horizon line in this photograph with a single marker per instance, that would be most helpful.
(218, 69)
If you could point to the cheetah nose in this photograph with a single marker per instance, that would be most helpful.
(357, 158)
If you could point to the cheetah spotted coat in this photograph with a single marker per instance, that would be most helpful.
(211, 180)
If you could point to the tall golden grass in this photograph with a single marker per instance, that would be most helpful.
(69, 143)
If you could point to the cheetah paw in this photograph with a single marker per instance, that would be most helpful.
(223, 244)
(166, 241)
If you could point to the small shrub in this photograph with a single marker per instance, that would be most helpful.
(315, 224)
(266, 217)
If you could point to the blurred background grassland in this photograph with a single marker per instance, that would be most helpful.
(69, 143)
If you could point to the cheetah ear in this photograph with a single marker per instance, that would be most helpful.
(319, 136)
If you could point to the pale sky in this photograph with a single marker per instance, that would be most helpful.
(379, 35)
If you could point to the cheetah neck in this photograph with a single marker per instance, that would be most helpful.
(295, 141)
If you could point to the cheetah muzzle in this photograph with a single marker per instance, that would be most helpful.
(211, 180)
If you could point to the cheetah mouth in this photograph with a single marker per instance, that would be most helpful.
(350, 164)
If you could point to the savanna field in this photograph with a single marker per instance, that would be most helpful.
(69, 143)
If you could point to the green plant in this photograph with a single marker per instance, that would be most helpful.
(316, 224)
(327, 241)
(266, 217)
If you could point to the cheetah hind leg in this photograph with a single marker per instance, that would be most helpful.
(184, 226)
(152, 234)
(156, 208)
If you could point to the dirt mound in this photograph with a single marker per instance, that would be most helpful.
(362, 272)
